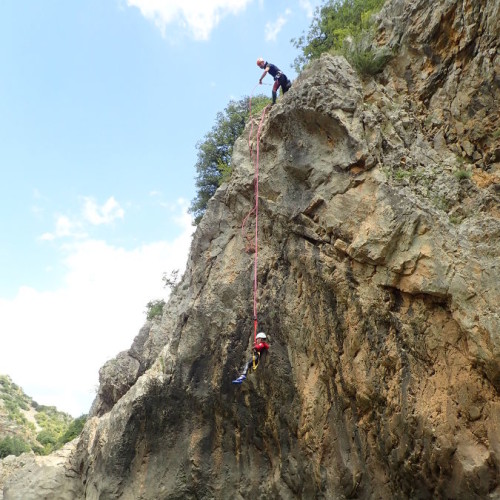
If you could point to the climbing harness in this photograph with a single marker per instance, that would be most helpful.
(255, 360)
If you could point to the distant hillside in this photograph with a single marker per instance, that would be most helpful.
(27, 426)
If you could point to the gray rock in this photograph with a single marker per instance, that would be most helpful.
(30, 477)
(378, 284)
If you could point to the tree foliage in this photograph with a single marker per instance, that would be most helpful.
(13, 445)
(215, 151)
(74, 429)
(154, 309)
(331, 25)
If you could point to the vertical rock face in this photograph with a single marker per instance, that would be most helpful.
(378, 285)
(449, 60)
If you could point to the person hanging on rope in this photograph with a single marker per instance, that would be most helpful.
(259, 347)
(280, 79)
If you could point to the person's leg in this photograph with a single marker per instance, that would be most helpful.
(275, 90)
(244, 372)
(247, 366)
(285, 83)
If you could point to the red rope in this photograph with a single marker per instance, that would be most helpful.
(255, 208)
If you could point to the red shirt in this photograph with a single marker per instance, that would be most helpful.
(261, 346)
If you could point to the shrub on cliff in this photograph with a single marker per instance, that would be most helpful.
(332, 24)
(215, 151)
(364, 56)
(154, 309)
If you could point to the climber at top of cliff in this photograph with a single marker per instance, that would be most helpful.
(259, 347)
(280, 79)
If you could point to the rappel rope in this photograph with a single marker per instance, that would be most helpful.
(255, 209)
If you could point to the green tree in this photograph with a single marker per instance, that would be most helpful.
(215, 152)
(331, 25)
(46, 437)
(74, 429)
(154, 309)
(13, 445)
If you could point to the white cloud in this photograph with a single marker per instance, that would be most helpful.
(105, 214)
(272, 29)
(91, 213)
(199, 17)
(54, 342)
(307, 6)
(65, 227)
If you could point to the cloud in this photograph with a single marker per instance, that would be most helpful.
(105, 214)
(65, 227)
(307, 6)
(199, 17)
(91, 213)
(272, 29)
(54, 342)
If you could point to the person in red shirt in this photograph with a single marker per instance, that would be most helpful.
(259, 347)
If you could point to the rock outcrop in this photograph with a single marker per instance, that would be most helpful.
(378, 271)
(35, 477)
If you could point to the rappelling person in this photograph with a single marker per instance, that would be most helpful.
(280, 79)
(259, 347)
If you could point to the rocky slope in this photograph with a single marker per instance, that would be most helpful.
(378, 270)
(27, 425)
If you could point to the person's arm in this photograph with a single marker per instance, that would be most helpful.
(261, 346)
(264, 74)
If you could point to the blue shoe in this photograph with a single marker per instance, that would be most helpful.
(240, 379)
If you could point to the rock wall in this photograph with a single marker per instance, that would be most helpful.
(378, 287)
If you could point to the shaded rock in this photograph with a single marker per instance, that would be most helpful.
(115, 379)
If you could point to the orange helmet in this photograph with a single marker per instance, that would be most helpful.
(260, 61)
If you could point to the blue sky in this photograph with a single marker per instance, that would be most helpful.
(102, 103)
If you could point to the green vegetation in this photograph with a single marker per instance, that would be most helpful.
(73, 430)
(456, 219)
(440, 202)
(343, 26)
(399, 174)
(54, 424)
(215, 151)
(14, 400)
(171, 280)
(13, 445)
(29, 426)
(154, 309)
(409, 174)
(364, 57)
(462, 174)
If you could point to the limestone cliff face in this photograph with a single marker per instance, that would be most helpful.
(378, 286)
